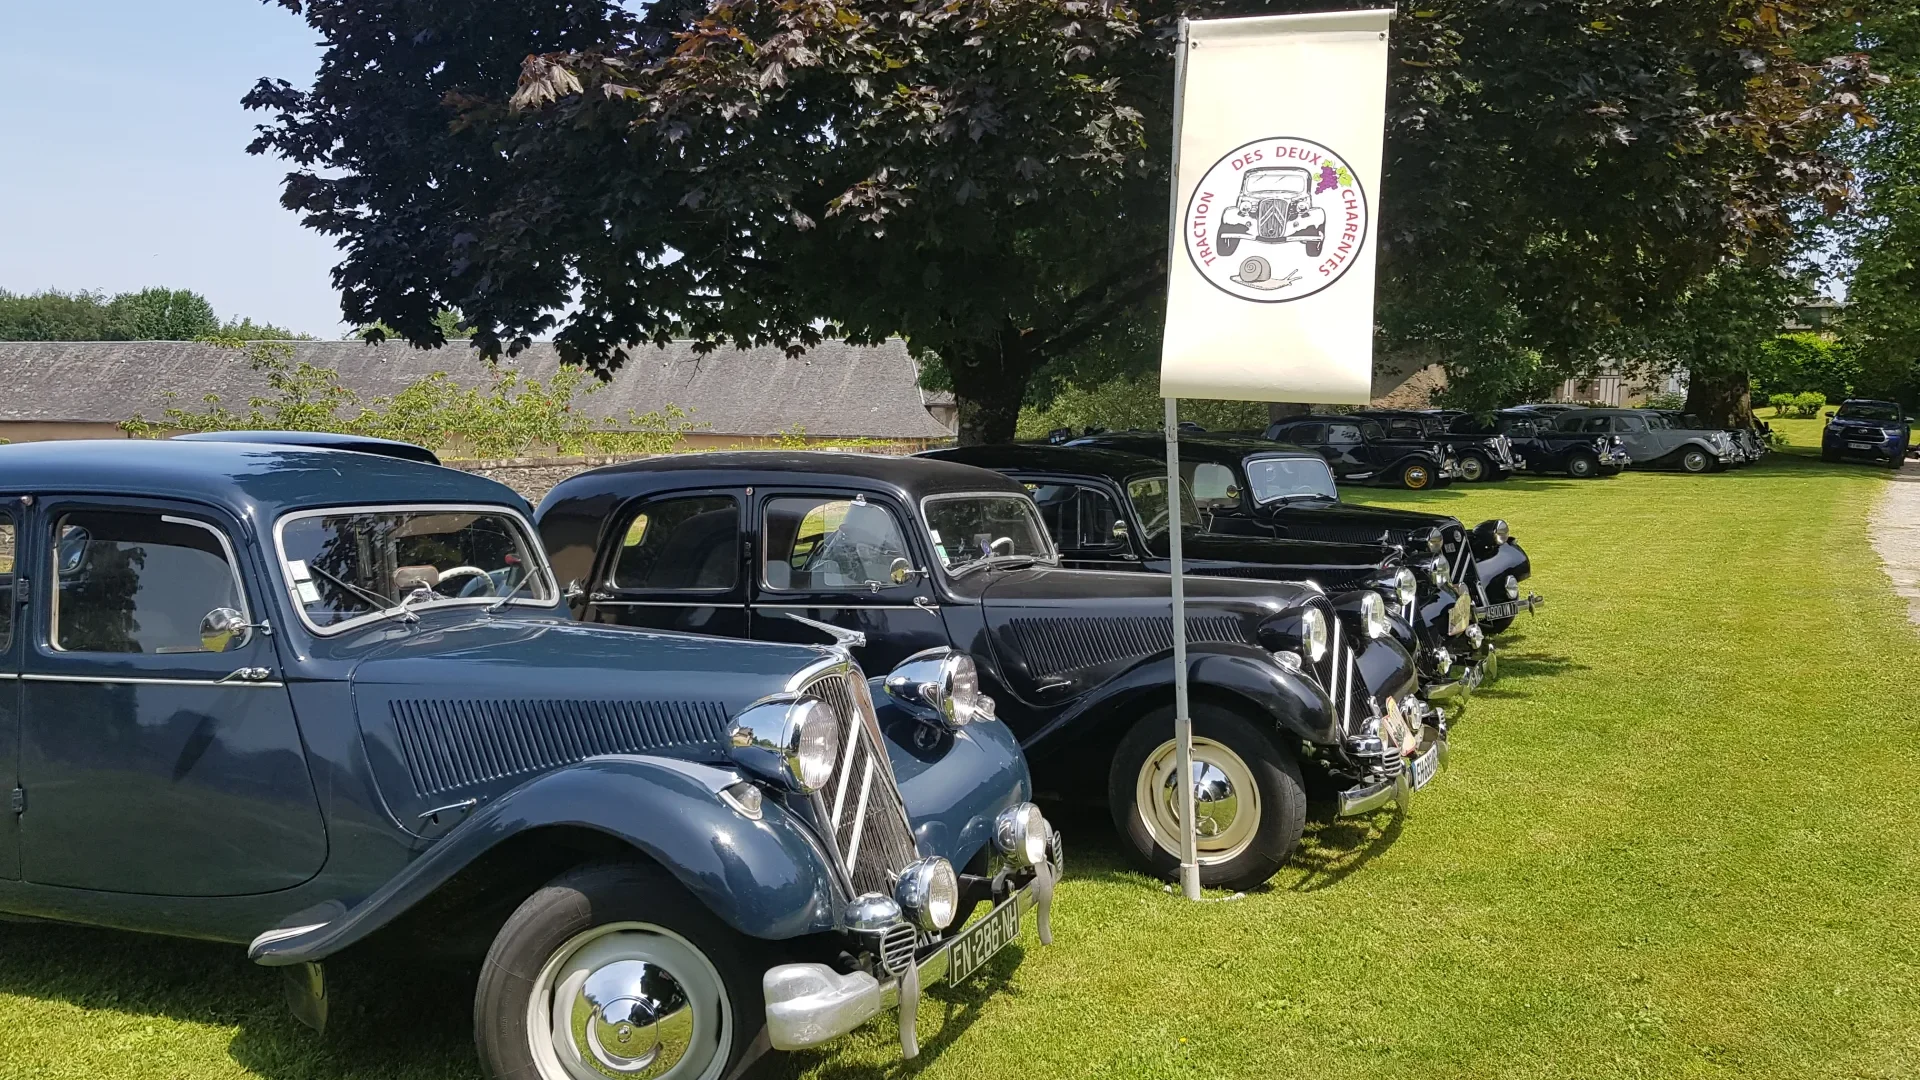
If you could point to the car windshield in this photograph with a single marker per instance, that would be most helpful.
(347, 565)
(1869, 410)
(970, 531)
(1148, 494)
(1276, 478)
(1276, 182)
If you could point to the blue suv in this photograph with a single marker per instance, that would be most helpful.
(1877, 430)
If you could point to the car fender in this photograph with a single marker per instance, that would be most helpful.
(1296, 705)
(1315, 218)
(768, 879)
(1510, 558)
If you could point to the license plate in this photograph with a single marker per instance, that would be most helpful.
(1425, 766)
(977, 943)
(1860, 446)
(1460, 616)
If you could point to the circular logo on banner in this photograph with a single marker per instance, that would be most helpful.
(1276, 220)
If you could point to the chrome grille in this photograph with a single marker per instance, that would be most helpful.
(861, 806)
(1271, 219)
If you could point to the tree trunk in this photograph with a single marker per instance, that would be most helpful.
(989, 384)
(1721, 399)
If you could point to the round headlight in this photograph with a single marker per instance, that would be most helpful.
(1437, 573)
(1020, 832)
(1405, 586)
(1313, 626)
(815, 743)
(929, 893)
(940, 684)
(1500, 531)
(1433, 541)
(793, 743)
(1373, 615)
(964, 703)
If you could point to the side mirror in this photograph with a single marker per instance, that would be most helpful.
(900, 570)
(1120, 531)
(1830, 412)
(223, 630)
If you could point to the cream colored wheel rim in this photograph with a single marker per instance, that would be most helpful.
(1228, 812)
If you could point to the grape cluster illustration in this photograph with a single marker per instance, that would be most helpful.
(1331, 177)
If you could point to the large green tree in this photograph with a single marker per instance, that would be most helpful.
(988, 178)
(153, 314)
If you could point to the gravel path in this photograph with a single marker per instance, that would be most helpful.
(1896, 536)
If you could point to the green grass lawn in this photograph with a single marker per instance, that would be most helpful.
(1680, 837)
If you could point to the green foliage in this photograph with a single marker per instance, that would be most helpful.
(1670, 401)
(989, 180)
(1791, 363)
(1798, 406)
(509, 416)
(449, 324)
(1132, 402)
(155, 314)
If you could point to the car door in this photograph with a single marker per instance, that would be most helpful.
(675, 561)
(1350, 453)
(1086, 524)
(10, 601)
(150, 762)
(832, 556)
(1643, 442)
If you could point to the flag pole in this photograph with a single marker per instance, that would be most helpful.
(1182, 719)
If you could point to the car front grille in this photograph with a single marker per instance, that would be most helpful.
(860, 807)
(897, 948)
(1271, 219)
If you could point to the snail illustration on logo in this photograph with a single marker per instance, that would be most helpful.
(1257, 273)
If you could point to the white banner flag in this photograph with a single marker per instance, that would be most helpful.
(1277, 177)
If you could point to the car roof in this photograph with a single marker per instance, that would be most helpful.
(1869, 401)
(251, 480)
(328, 440)
(912, 478)
(1047, 457)
(1209, 447)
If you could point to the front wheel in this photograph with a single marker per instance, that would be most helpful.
(615, 970)
(1696, 460)
(1475, 468)
(1416, 477)
(1497, 626)
(1583, 466)
(1227, 245)
(1250, 804)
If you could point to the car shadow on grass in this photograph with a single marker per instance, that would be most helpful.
(419, 1031)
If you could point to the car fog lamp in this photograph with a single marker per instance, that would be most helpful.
(1513, 587)
(1313, 626)
(791, 741)
(1020, 833)
(1373, 615)
(1475, 636)
(745, 798)
(1405, 586)
(929, 893)
(1437, 573)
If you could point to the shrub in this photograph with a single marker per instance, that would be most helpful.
(1671, 402)
(1801, 405)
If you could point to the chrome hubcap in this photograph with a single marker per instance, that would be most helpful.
(1416, 478)
(1470, 469)
(1226, 801)
(628, 1001)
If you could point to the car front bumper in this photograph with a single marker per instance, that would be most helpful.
(1509, 608)
(1415, 772)
(810, 1004)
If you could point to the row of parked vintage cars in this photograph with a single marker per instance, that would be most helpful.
(1419, 449)
(714, 752)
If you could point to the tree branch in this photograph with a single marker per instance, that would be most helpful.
(1097, 321)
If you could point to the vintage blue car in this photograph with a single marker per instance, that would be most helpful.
(293, 696)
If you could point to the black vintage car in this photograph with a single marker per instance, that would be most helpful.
(1269, 490)
(1581, 455)
(1107, 510)
(901, 556)
(1360, 451)
(1481, 457)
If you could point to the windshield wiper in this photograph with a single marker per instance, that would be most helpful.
(495, 607)
(386, 606)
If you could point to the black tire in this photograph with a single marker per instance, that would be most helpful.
(1314, 246)
(1497, 626)
(1280, 811)
(1696, 461)
(1226, 245)
(1476, 468)
(1418, 476)
(1829, 456)
(1582, 465)
(547, 929)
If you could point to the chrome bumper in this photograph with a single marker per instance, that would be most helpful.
(1484, 669)
(1417, 773)
(1508, 609)
(809, 1004)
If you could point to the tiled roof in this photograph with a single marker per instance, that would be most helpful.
(833, 391)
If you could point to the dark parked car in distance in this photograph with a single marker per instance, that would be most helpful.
(292, 696)
(1878, 431)
(906, 555)
(1481, 456)
(1545, 449)
(1361, 452)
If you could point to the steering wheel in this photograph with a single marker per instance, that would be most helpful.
(475, 572)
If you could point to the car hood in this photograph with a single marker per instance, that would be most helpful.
(1346, 522)
(1334, 565)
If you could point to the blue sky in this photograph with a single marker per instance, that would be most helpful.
(123, 156)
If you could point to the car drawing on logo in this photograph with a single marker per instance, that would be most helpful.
(1275, 207)
(905, 555)
(292, 697)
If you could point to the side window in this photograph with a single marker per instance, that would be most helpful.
(135, 582)
(1597, 425)
(1402, 428)
(1343, 434)
(817, 542)
(1305, 434)
(1077, 517)
(1522, 429)
(1213, 486)
(7, 548)
(690, 542)
(1629, 423)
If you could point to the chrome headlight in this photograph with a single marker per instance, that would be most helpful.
(929, 893)
(1313, 637)
(1020, 833)
(1438, 574)
(1433, 540)
(1406, 587)
(940, 684)
(1373, 615)
(792, 741)
(1500, 530)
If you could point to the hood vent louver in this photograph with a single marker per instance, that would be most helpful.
(1058, 645)
(451, 745)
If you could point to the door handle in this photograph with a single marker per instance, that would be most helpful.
(249, 674)
(925, 604)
